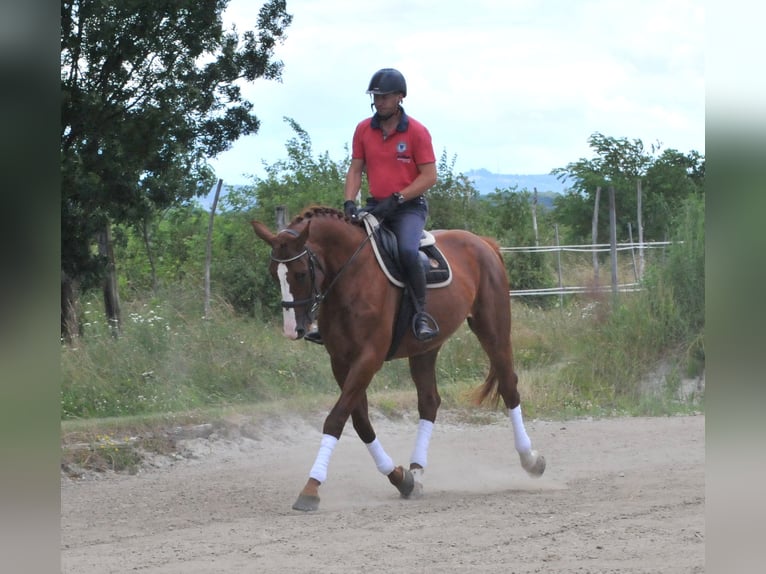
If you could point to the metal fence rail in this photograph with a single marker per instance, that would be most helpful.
(622, 288)
(562, 290)
(596, 247)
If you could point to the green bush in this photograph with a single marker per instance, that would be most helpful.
(664, 323)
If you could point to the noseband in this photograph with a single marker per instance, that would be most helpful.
(316, 296)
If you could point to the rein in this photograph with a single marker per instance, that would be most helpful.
(316, 296)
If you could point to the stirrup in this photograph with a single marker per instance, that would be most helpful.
(314, 337)
(428, 331)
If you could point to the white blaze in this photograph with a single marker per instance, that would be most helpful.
(288, 314)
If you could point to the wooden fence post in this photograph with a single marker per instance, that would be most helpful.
(209, 248)
(281, 216)
(558, 266)
(632, 251)
(594, 235)
(613, 242)
(639, 201)
(534, 217)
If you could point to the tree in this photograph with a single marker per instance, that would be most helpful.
(452, 201)
(294, 183)
(620, 163)
(672, 178)
(299, 181)
(149, 90)
(660, 182)
(512, 224)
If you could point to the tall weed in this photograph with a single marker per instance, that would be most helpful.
(586, 356)
(618, 350)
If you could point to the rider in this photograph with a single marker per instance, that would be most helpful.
(396, 152)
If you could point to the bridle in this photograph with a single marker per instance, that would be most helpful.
(313, 263)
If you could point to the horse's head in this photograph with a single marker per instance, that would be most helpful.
(294, 267)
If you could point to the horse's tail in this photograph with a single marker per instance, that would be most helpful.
(488, 389)
(495, 247)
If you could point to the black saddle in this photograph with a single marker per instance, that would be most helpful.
(384, 243)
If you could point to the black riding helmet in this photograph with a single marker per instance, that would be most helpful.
(387, 81)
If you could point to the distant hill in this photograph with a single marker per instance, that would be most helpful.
(486, 181)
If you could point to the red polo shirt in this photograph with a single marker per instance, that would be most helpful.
(392, 162)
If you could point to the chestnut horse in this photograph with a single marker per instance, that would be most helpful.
(325, 262)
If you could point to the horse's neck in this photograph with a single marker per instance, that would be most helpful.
(336, 242)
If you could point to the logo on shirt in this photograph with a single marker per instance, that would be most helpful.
(401, 147)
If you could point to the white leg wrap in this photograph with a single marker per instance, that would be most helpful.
(423, 439)
(319, 470)
(384, 462)
(520, 437)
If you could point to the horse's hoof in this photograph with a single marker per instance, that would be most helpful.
(533, 463)
(407, 485)
(417, 490)
(306, 503)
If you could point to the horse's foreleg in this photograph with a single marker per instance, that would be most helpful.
(402, 479)
(361, 419)
(352, 402)
(308, 499)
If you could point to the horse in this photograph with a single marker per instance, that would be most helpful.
(325, 263)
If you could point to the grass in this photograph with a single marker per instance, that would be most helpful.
(171, 368)
(167, 361)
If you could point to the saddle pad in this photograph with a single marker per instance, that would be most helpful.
(437, 269)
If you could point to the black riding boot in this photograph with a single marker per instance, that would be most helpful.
(424, 326)
(314, 336)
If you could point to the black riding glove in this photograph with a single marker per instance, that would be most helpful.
(349, 208)
(386, 207)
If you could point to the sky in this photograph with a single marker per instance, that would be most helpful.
(512, 86)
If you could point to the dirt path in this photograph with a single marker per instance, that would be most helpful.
(622, 495)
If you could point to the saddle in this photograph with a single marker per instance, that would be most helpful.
(385, 245)
(437, 270)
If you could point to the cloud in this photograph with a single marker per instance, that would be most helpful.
(515, 87)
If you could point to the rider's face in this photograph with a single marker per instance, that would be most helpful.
(386, 104)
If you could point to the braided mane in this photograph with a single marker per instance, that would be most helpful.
(319, 211)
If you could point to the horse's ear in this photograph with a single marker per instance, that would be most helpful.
(263, 232)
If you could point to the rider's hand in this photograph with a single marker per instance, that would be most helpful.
(386, 207)
(349, 208)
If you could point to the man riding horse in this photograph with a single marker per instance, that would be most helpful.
(396, 152)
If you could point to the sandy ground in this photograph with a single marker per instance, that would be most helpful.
(620, 495)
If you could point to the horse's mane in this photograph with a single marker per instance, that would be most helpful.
(319, 211)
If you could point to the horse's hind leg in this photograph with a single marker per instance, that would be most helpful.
(493, 332)
(423, 371)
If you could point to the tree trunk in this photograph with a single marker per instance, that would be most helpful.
(149, 254)
(70, 308)
(111, 295)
